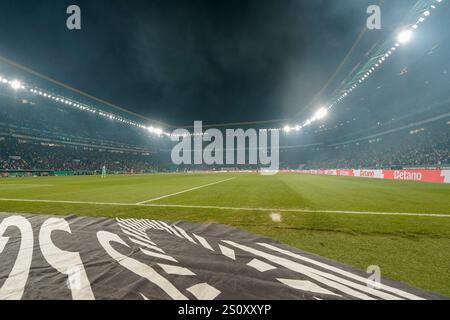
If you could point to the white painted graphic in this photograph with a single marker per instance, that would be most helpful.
(305, 285)
(68, 263)
(152, 259)
(204, 291)
(261, 266)
(106, 238)
(14, 285)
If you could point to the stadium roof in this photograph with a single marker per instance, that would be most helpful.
(363, 52)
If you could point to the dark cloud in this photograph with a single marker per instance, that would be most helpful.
(177, 61)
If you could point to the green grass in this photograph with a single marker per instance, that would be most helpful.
(412, 249)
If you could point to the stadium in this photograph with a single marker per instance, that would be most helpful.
(224, 152)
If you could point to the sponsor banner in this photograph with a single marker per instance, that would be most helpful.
(347, 173)
(331, 172)
(424, 175)
(415, 175)
(446, 175)
(53, 257)
(376, 174)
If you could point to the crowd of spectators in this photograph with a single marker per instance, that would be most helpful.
(71, 140)
(17, 155)
(42, 135)
(421, 149)
(416, 148)
(53, 119)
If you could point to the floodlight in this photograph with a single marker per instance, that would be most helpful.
(321, 113)
(405, 36)
(15, 84)
(287, 129)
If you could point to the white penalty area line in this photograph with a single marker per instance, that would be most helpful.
(184, 191)
(437, 215)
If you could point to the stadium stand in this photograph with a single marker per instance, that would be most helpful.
(25, 155)
(44, 137)
(426, 147)
(421, 147)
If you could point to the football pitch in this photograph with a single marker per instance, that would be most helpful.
(402, 227)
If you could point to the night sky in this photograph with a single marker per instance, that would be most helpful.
(179, 61)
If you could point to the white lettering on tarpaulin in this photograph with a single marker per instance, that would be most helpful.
(374, 280)
(66, 262)
(105, 238)
(336, 282)
(202, 258)
(14, 286)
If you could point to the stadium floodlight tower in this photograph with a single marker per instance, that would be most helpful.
(405, 36)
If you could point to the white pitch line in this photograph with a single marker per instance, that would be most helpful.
(184, 191)
(26, 185)
(437, 215)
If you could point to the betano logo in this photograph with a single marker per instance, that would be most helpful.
(250, 147)
(404, 175)
(366, 173)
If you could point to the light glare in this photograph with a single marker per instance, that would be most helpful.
(16, 85)
(405, 36)
(321, 113)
